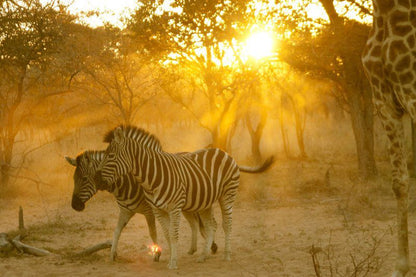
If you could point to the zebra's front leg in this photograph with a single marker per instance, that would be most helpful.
(174, 218)
(193, 223)
(163, 218)
(123, 219)
(209, 224)
(151, 224)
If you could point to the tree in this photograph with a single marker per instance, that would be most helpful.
(193, 34)
(116, 75)
(333, 52)
(30, 35)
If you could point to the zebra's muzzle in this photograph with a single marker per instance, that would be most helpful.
(77, 204)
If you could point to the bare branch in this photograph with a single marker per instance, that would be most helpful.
(29, 249)
(95, 248)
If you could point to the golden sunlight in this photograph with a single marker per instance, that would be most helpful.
(259, 45)
(316, 11)
(108, 10)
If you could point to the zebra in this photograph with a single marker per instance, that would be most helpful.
(173, 183)
(130, 199)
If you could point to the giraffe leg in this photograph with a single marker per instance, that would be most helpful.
(123, 219)
(392, 121)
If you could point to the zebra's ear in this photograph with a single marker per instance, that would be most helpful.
(89, 161)
(87, 158)
(118, 135)
(71, 161)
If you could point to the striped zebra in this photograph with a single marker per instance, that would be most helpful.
(190, 182)
(129, 195)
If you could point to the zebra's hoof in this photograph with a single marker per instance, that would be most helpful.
(172, 265)
(397, 274)
(191, 251)
(156, 256)
(214, 248)
(227, 257)
(113, 256)
(201, 259)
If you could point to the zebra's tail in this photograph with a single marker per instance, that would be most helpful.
(257, 169)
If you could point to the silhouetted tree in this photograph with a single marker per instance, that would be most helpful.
(333, 52)
(194, 34)
(31, 33)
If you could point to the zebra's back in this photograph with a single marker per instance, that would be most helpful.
(223, 174)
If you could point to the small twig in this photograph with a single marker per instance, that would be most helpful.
(314, 251)
(21, 221)
(94, 248)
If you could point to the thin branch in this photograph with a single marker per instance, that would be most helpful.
(95, 248)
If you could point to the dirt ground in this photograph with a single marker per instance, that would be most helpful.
(280, 216)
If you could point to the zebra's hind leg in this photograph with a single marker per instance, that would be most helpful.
(193, 223)
(214, 246)
(209, 225)
(174, 220)
(226, 205)
(123, 219)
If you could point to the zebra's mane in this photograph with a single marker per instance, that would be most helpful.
(92, 154)
(139, 135)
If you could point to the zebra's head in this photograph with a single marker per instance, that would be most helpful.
(117, 160)
(86, 165)
(126, 144)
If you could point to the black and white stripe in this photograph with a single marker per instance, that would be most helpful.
(128, 193)
(190, 182)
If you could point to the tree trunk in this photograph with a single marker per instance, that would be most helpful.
(283, 131)
(362, 123)
(358, 94)
(299, 135)
(256, 134)
(219, 139)
(300, 119)
(5, 176)
(7, 141)
(9, 131)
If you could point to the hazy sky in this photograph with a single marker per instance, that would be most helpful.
(110, 10)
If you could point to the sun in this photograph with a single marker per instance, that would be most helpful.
(259, 45)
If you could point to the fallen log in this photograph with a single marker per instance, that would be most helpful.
(94, 248)
(5, 245)
(29, 249)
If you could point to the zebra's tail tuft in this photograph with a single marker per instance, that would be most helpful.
(257, 169)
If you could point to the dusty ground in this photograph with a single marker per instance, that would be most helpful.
(278, 217)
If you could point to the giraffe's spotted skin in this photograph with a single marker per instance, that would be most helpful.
(389, 60)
